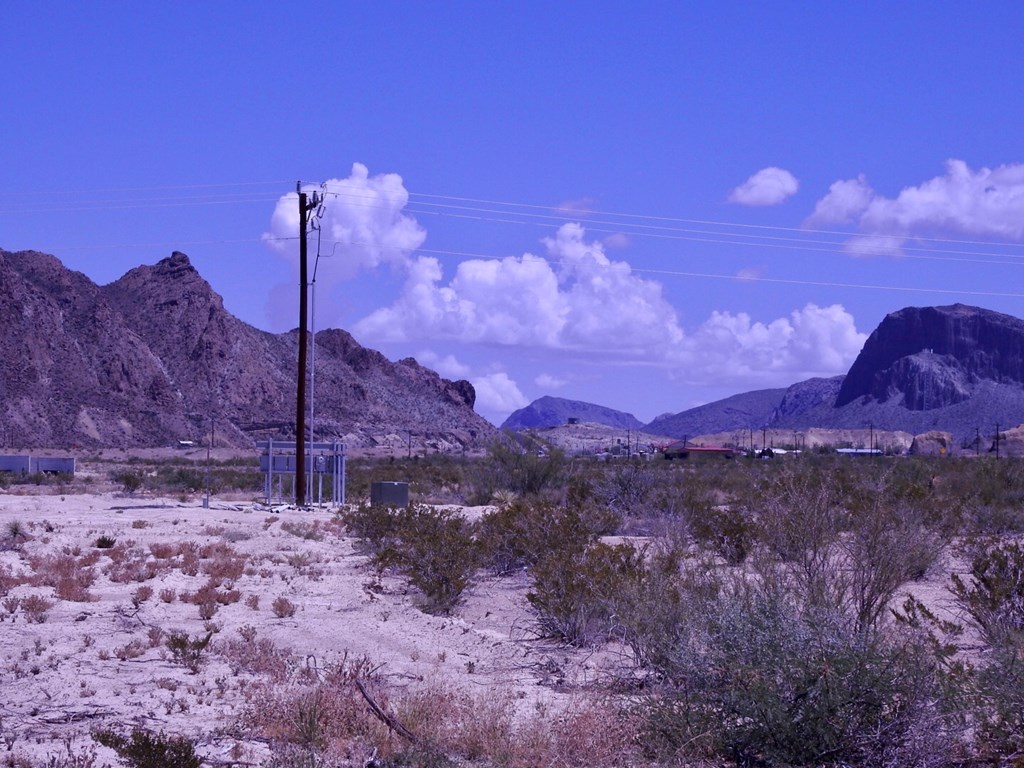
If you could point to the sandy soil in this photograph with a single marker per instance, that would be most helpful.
(99, 660)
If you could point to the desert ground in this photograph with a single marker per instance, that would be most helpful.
(90, 651)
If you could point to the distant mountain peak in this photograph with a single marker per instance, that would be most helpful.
(551, 411)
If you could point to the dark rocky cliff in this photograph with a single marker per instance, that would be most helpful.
(932, 356)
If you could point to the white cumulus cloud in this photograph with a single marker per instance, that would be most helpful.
(988, 202)
(769, 186)
(734, 348)
(362, 227)
(575, 298)
(547, 381)
(497, 396)
(845, 202)
(447, 365)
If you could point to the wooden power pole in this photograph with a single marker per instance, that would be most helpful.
(300, 394)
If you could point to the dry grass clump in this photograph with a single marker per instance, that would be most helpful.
(35, 608)
(69, 576)
(257, 656)
(328, 721)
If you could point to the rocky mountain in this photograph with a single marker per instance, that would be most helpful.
(154, 357)
(933, 357)
(956, 369)
(744, 411)
(556, 411)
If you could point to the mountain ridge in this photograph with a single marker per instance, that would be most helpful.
(154, 356)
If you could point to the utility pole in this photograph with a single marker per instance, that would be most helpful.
(300, 394)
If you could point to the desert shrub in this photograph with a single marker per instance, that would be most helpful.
(801, 513)
(147, 750)
(435, 550)
(727, 530)
(309, 531)
(994, 595)
(763, 680)
(130, 650)
(307, 721)
(188, 651)
(628, 487)
(574, 593)
(141, 595)
(35, 608)
(129, 481)
(885, 548)
(375, 524)
(282, 607)
(516, 535)
(258, 656)
(15, 534)
(221, 563)
(654, 613)
(69, 576)
(988, 683)
(517, 462)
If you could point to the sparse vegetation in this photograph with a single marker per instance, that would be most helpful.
(748, 603)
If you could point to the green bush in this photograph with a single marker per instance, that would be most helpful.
(518, 534)
(146, 750)
(760, 681)
(518, 462)
(574, 593)
(130, 481)
(188, 651)
(435, 550)
(994, 596)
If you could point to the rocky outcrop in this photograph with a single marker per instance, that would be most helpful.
(934, 443)
(154, 356)
(930, 357)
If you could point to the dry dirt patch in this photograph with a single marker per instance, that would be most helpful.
(96, 584)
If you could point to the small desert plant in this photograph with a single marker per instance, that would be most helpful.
(146, 750)
(186, 650)
(15, 534)
(130, 481)
(141, 595)
(130, 650)
(282, 607)
(35, 608)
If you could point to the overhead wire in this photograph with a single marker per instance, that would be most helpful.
(702, 231)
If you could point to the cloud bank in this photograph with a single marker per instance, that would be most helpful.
(577, 302)
(962, 202)
(769, 186)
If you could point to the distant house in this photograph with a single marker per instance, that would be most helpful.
(682, 451)
(859, 451)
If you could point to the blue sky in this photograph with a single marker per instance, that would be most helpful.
(647, 206)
